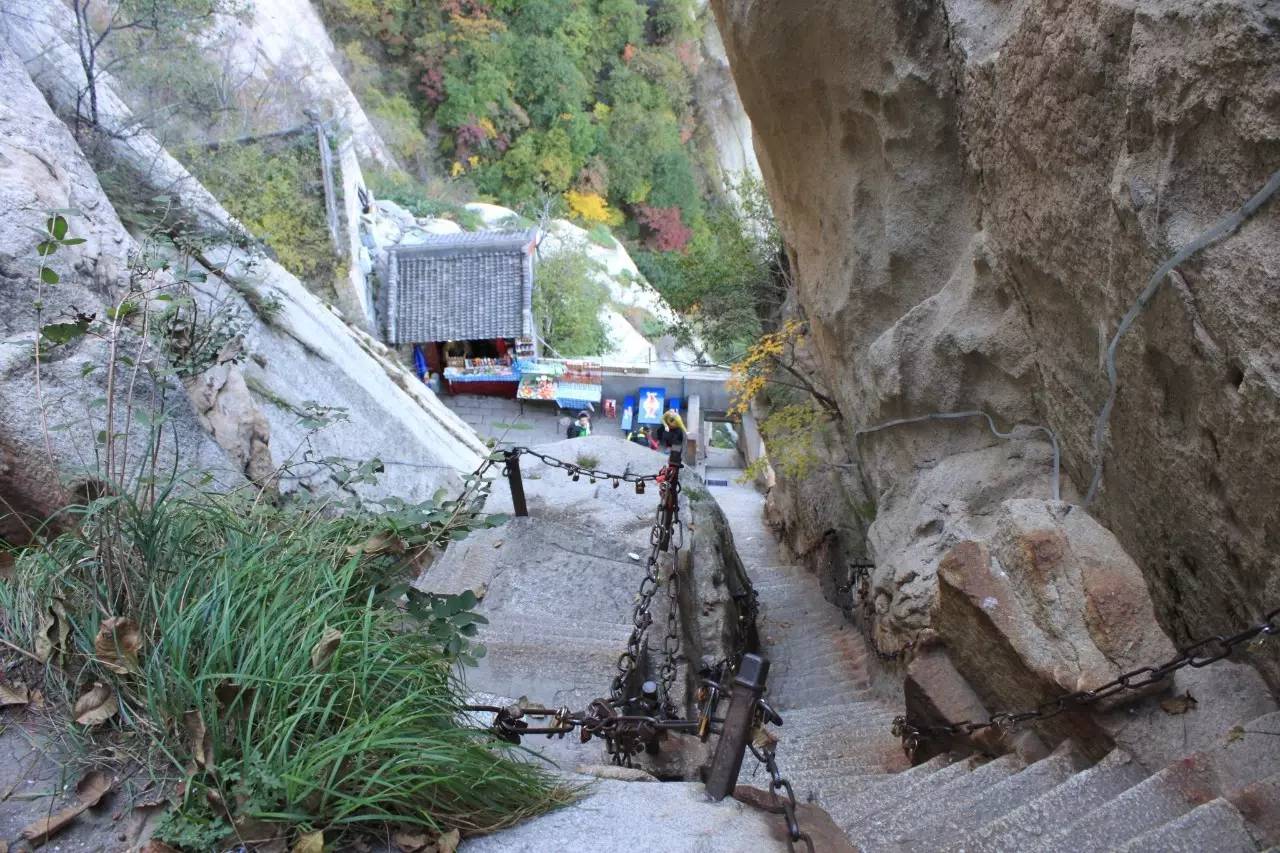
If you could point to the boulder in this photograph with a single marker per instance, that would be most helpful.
(1049, 604)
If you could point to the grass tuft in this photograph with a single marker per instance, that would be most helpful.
(276, 680)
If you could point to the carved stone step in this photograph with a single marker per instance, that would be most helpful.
(1215, 827)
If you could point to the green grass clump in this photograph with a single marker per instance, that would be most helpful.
(602, 236)
(323, 705)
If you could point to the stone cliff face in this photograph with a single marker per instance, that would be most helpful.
(247, 417)
(973, 194)
(720, 108)
(284, 44)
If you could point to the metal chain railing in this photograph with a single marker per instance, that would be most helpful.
(1199, 654)
(661, 538)
(577, 471)
(764, 752)
(636, 716)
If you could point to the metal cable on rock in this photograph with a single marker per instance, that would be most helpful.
(991, 424)
(1223, 228)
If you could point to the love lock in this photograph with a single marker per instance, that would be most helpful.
(509, 723)
(598, 712)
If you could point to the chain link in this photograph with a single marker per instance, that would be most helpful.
(765, 753)
(577, 471)
(1201, 653)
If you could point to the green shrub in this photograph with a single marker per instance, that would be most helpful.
(566, 305)
(728, 279)
(602, 236)
(534, 97)
(277, 711)
(274, 188)
(419, 199)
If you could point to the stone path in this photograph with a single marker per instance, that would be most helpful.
(837, 749)
(558, 589)
(507, 421)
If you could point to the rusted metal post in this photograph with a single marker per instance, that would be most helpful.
(748, 686)
(514, 480)
(670, 498)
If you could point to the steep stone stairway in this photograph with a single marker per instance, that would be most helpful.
(837, 749)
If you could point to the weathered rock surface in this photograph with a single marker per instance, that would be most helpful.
(720, 109)
(42, 169)
(621, 817)
(299, 351)
(283, 44)
(973, 193)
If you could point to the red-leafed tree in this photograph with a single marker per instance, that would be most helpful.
(663, 228)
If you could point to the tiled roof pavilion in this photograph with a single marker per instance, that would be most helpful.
(461, 287)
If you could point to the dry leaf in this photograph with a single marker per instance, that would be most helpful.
(41, 830)
(260, 834)
(325, 647)
(97, 705)
(312, 842)
(117, 644)
(44, 642)
(154, 846)
(92, 787)
(198, 735)
(448, 843)
(229, 693)
(379, 543)
(1179, 704)
(410, 842)
(13, 694)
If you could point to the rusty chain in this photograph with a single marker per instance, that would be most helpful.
(1199, 654)
(576, 471)
(667, 531)
(626, 734)
(785, 806)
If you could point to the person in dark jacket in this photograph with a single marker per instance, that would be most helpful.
(640, 437)
(672, 436)
(580, 428)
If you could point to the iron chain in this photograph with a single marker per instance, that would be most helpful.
(783, 805)
(1201, 653)
(576, 471)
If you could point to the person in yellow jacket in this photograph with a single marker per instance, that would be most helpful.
(671, 433)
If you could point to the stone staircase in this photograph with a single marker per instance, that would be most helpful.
(837, 749)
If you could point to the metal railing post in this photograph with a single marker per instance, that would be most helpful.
(748, 686)
(516, 483)
(671, 499)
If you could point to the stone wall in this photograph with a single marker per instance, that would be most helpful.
(973, 193)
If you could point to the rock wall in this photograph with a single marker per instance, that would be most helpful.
(42, 169)
(251, 417)
(283, 44)
(720, 110)
(973, 194)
